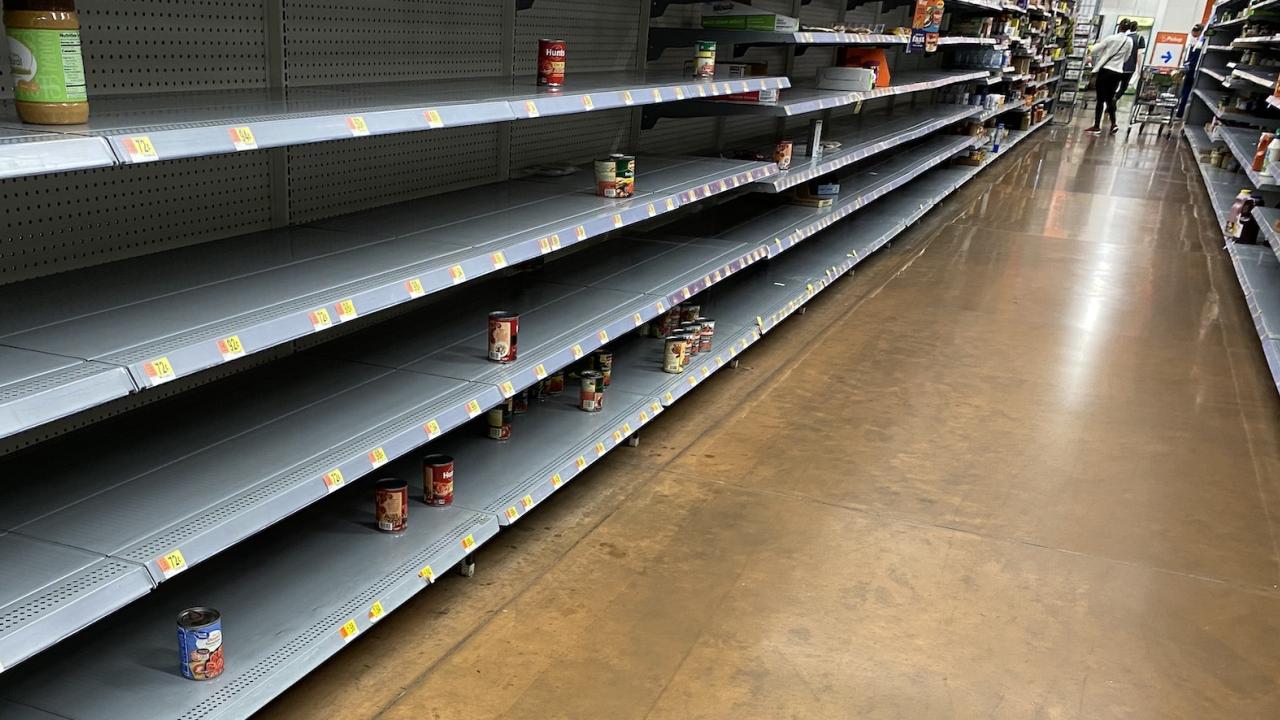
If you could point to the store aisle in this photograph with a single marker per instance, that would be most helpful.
(1025, 464)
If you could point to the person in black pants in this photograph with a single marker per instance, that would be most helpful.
(1189, 69)
(1130, 27)
(1109, 57)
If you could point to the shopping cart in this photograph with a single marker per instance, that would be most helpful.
(1155, 99)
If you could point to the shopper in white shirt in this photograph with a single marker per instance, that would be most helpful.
(1109, 57)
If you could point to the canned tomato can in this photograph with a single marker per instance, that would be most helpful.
(391, 504)
(500, 421)
(665, 323)
(504, 329)
(693, 332)
(602, 360)
(551, 57)
(607, 178)
(624, 175)
(437, 480)
(200, 643)
(673, 354)
(520, 402)
(689, 313)
(542, 390)
(782, 154)
(708, 330)
(592, 396)
(555, 383)
(704, 59)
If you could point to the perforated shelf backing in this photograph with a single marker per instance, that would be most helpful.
(598, 35)
(389, 40)
(53, 223)
(334, 178)
(572, 138)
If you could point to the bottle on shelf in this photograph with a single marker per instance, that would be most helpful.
(1241, 226)
(1260, 152)
(1272, 166)
(44, 55)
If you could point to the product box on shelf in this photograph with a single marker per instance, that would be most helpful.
(871, 58)
(736, 70)
(846, 78)
(736, 16)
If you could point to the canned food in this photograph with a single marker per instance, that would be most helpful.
(391, 504)
(704, 59)
(500, 421)
(693, 332)
(782, 154)
(504, 327)
(551, 57)
(200, 643)
(708, 331)
(616, 176)
(437, 480)
(555, 383)
(689, 313)
(673, 351)
(542, 390)
(592, 397)
(520, 402)
(666, 323)
(602, 360)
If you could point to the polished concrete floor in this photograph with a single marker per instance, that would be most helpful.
(1026, 464)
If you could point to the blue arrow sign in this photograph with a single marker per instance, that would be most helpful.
(1167, 57)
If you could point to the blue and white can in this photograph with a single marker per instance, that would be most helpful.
(200, 643)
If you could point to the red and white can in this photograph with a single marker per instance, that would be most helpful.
(551, 56)
(499, 418)
(592, 397)
(520, 402)
(782, 154)
(602, 360)
(708, 332)
(689, 313)
(693, 332)
(391, 504)
(437, 480)
(673, 354)
(504, 327)
(555, 383)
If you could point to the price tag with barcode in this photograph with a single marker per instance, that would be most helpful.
(242, 138)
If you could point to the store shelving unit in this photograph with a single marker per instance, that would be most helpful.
(1260, 76)
(1242, 143)
(1211, 98)
(1221, 185)
(252, 492)
(1258, 271)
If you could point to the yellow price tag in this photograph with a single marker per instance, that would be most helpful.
(637, 319)
(171, 563)
(626, 427)
(581, 462)
(432, 428)
(512, 513)
(627, 98)
(577, 352)
(644, 417)
(587, 103)
(656, 407)
(600, 449)
(702, 91)
(671, 204)
(544, 245)
(242, 138)
(346, 310)
(526, 502)
(603, 335)
(539, 372)
(759, 321)
(499, 260)
(377, 457)
(530, 108)
(434, 121)
(376, 611)
(580, 232)
(507, 389)
(693, 381)
(334, 479)
(468, 543)
(617, 436)
(357, 126)
(652, 210)
(159, 371)
(456, 272)
(555, 241)
(657, 95)
(426, 573)
(679, 93)
(320, 319)
(686, 293)
(348, 630)
(705, 371)
(140, 149)
(556, 481)
(617, 221)
(668, 398)
(231, 348)
(660, 306)
(473, 408)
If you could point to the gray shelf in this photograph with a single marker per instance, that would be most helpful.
(1258, 271)
(1228, 23)
(282, 615)
(1267, 218)
(1210, 98)
(1046, 81)
(803, 100)
(1264, 77)
(36, 387)
(1007, 107)
(50, 591)
(264, 288)
(31, 152)
(181, 125)
(270, 644)
(1218, 75)
(662, 38)
(1220, 48)
(870, 134)
(1222, 186)
(1256, 40)
(1242, 143)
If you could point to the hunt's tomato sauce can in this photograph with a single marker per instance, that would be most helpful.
(592, 396)
(551, 55)
(437, 480)
(504, 326)
(391, 504)
(602, 360)
(200, 643)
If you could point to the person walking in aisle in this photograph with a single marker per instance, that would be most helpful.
(1109, 57)
(1189, 68)
(1136, 51)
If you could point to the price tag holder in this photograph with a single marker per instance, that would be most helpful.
(432, 428)
(434, 121)
(556, 482)
(531, 108)
(526, 502)
(473, 408)
(320, 319)
(603, 335)
(499, 260)
(587, 103)
(349, 630)
(626, 427)
(580, 232)
(555, 241)
(171, 563)
(668, 398)
(357, 126)
(617, 436)
(469, 543)
(652, 210)
(581, 462)
(577, 352)
(377, 457)
(540, 371)
(375, 611)
(627, 98)
(414, 288)
(159, 371)
(426, 573)
(457, 274)
(508, 389)
(334, 479)
(512, 513)
(140, 149)
(637, 319)
(242, 138)
(617, 221)
(346, 310)
(600, 449)
(693, 381)
(230, 348)
(706, 371)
